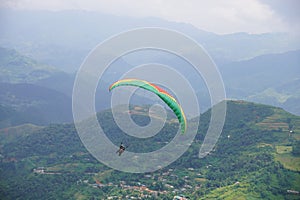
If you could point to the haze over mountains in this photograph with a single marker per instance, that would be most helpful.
(64, 38)
(45, 49)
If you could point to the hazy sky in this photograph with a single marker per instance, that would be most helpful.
(219, 16)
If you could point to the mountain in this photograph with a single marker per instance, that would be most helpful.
(57, 39)
(32, 92)
(256, 157)
(28, 103)
(54, 38)
(271, 70)
(61, 82)
(14, 133)
(259, 79)
(270, 79)
(17, 68)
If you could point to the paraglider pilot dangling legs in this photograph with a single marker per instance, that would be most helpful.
(121, 149)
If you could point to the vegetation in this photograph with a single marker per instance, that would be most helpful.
(258, 161)
(17, 68)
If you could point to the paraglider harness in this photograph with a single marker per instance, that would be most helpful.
(121, 149)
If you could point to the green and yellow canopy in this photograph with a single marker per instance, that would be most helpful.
(161, 93)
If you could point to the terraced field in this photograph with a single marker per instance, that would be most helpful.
(287, 128)
(281, 120)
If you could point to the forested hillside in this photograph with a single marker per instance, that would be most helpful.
(256, 157)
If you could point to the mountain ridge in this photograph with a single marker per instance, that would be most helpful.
(29, 103)
(60, 42)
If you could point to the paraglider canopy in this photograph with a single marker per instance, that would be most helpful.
(161, 93)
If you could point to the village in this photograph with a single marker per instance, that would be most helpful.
(139, 190)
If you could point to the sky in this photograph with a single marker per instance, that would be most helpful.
(218, 16)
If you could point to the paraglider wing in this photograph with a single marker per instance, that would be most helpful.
(164, 95)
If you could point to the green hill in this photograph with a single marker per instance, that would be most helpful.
(17, 68)
(256, 157)
(32, 92)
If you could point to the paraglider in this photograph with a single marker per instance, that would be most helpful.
(121, 149)
(161, 93)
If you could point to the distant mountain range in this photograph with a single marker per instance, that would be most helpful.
(27, 103)
(271, 70)
(65, 38)
(271, 79)
(38, 47)
(42, 94)
(17, 68)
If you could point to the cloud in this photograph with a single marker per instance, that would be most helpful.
(287, 11)
(228, 16)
